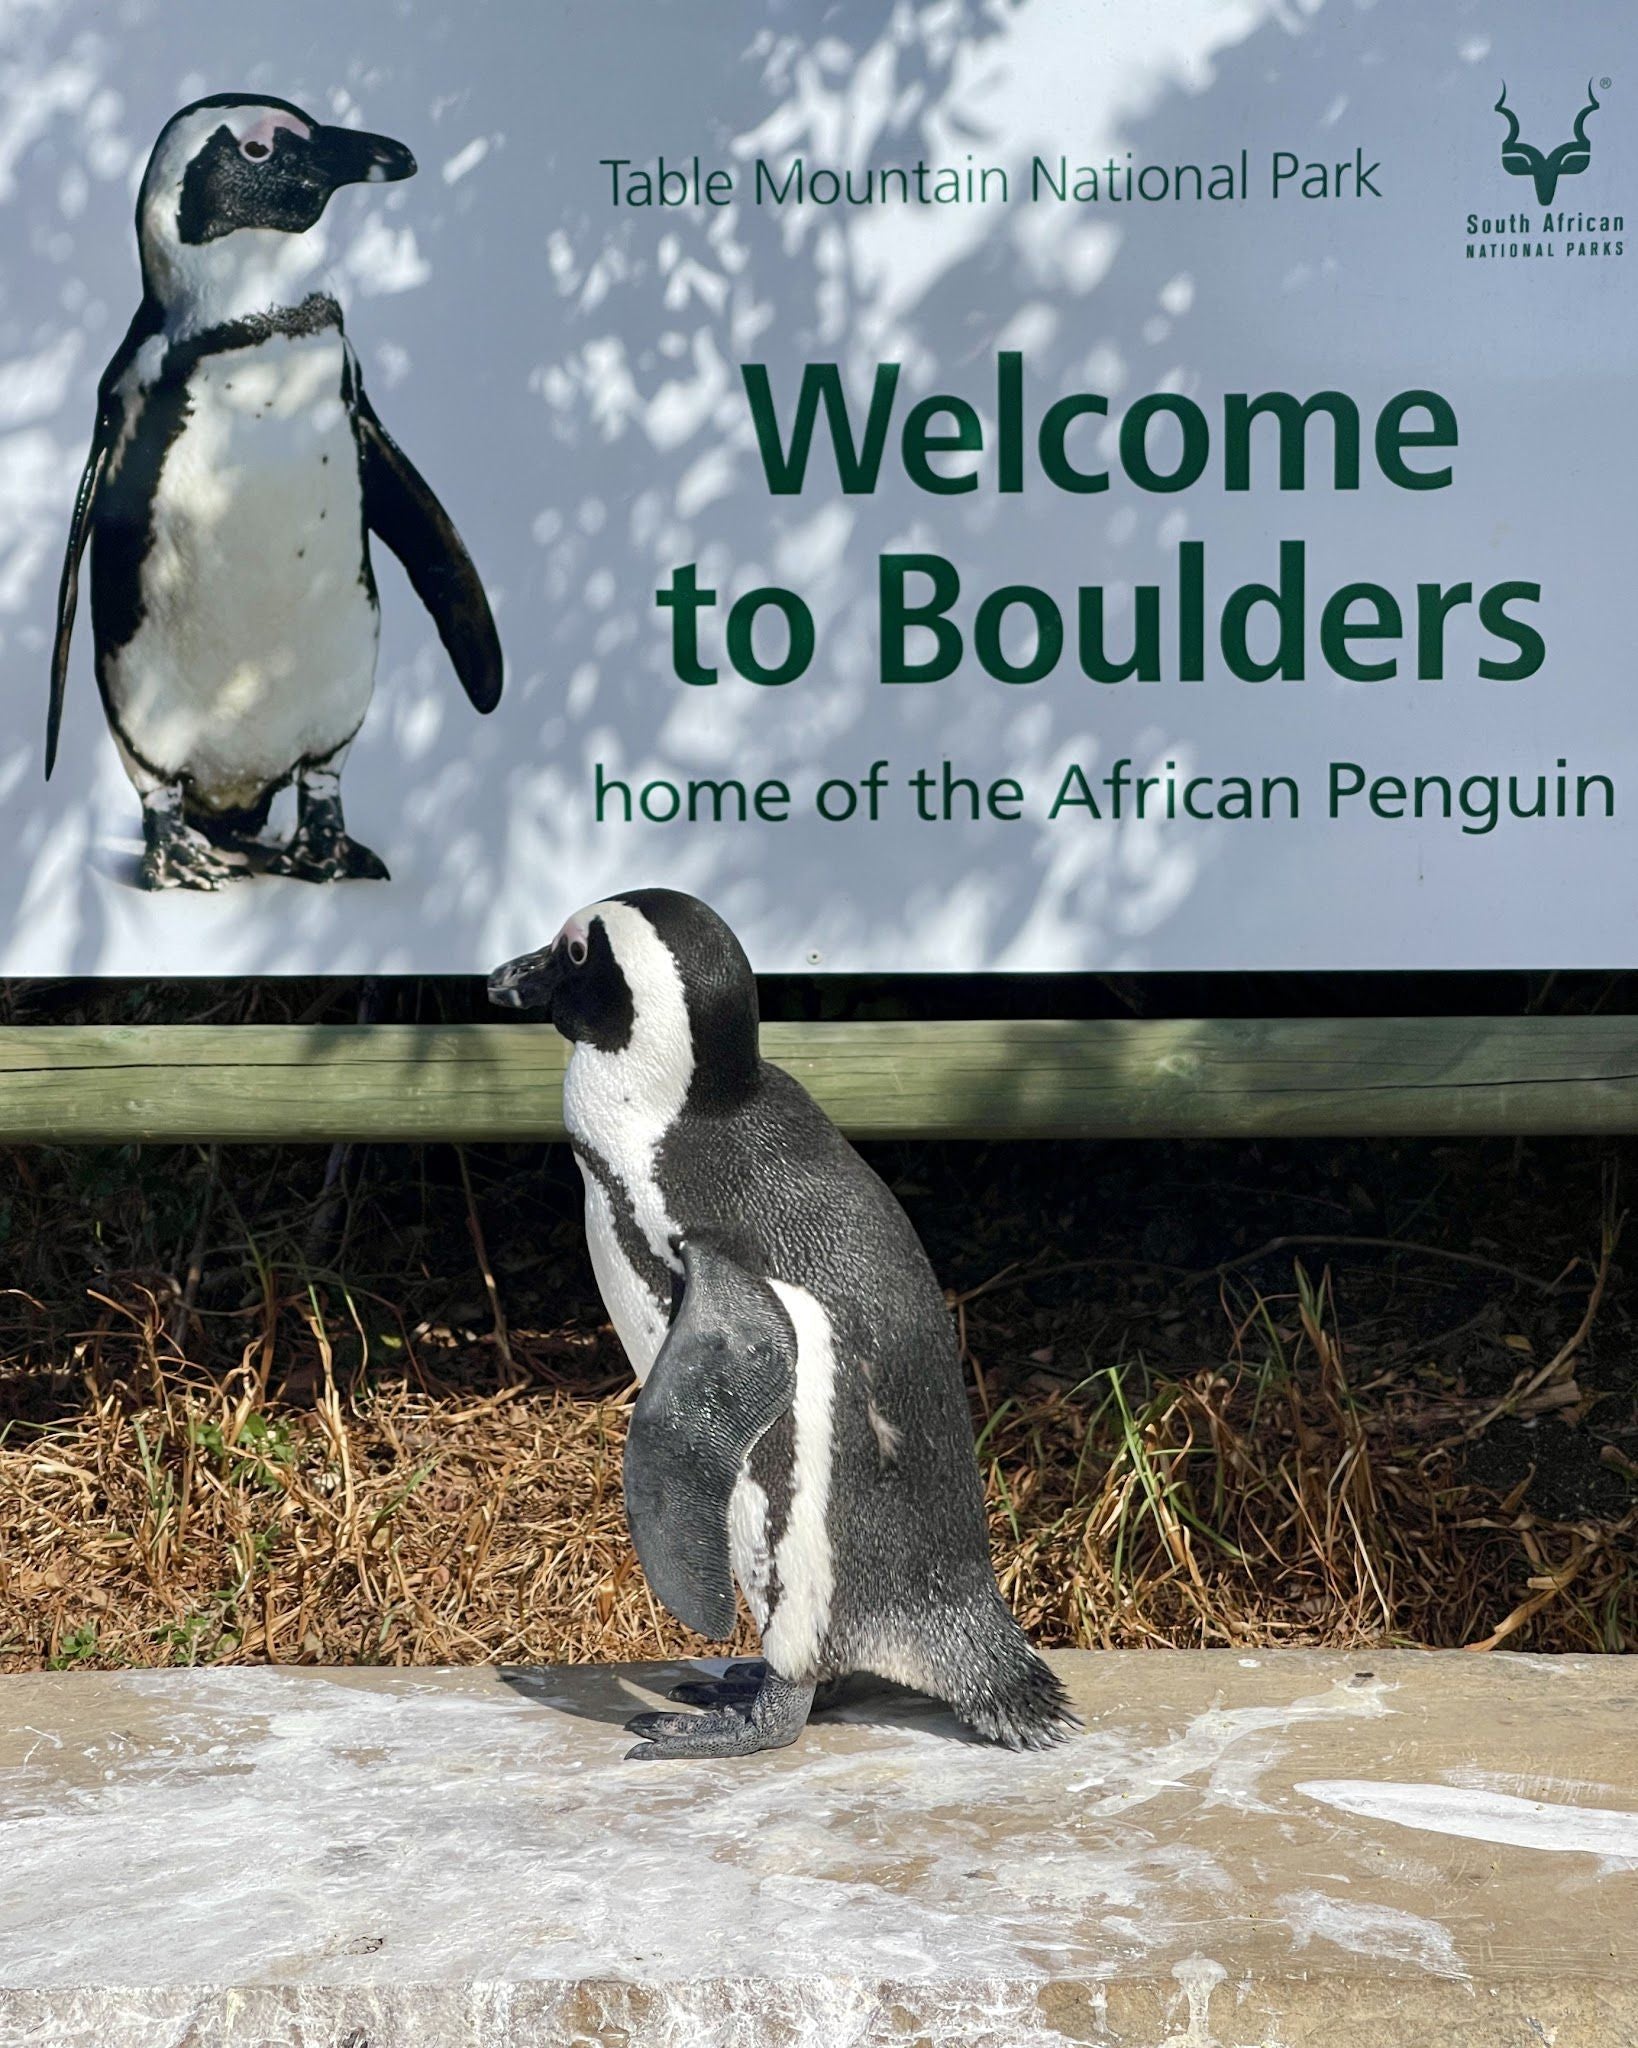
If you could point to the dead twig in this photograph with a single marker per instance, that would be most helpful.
(503, 1342)
(196, 1257)
(1525, 1391)
(1342, 1242)
(1549, 1585)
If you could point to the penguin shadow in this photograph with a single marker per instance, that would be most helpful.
(120, 861)
(610, 1694)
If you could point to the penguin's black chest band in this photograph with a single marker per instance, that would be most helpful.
(656, 1276)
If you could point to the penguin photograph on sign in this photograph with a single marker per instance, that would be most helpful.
(801, 1428)
(236, 473)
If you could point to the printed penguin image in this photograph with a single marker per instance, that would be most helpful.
(801, 1426)
(235, 477)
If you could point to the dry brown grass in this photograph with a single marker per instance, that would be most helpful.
(304, 1478)
(387, 1524)
(1265, 1503)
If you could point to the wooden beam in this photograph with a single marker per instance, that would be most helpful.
(1221, 1078)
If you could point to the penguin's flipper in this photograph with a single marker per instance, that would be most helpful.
(400, 506)
(145, 324)
(68, 591)
(725, 1373)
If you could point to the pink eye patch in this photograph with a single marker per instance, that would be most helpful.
(257, 141)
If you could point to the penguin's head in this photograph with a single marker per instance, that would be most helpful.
(656, 979)
(232, 196)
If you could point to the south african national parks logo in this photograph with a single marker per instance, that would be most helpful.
(1548, 235)
(1568, 160)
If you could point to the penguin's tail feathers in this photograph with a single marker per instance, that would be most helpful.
(1002, 1689)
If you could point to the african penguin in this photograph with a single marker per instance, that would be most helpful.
(801, 1426)
(236, 473)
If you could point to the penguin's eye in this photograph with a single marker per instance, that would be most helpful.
(255, 149)
(577, 952)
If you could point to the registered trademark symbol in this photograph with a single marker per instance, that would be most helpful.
(1603, 85)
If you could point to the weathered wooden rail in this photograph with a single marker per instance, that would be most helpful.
(1287, 1077)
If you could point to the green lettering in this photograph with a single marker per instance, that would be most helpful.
(1134, 442)
(1054, 427)
(1287, 601)
(898, 616)
(1494, 617)
(1337, 630)
(858, 466)
(1393, 437)
(1434, 605)
(920, 443)
(742, 635)
(1074, 790)
(1291, 416)
(1049, 634)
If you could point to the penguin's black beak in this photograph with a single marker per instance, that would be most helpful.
(528, 982)
(350, 156)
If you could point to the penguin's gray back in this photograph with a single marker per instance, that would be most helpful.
(866, 1503)
(235, 608)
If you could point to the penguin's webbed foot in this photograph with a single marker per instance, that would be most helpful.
(728, 1731)
(177, 856)
(769, 1716)
(319, 849)
(314, 855)
(739, 1685)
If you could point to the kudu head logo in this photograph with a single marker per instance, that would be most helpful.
(1569, 159)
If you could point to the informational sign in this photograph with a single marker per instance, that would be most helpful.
(1065, 484)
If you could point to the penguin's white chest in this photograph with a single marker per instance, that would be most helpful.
(256, 648)
(629, 1225)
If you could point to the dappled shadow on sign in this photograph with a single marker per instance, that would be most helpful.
(566, 372)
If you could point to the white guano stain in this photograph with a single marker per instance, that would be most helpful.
(1199, 1978)
(1480, 1816)
(267, 1821)
(1366, 1928)
(333, 1833)
(1213, 1743)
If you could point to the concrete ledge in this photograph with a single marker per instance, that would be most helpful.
(1371, 1851)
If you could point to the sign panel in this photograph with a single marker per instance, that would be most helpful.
(1077, 484)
